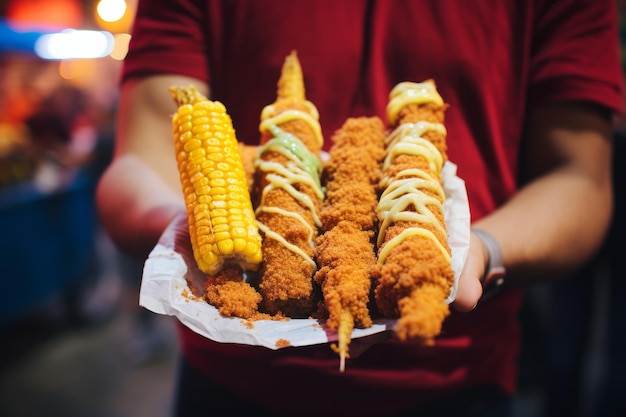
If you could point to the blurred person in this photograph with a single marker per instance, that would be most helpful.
(532, 87)
(63, 127)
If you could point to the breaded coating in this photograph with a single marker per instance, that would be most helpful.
(286, 277)
(345, 251)
(231, 295)
(400, 285)
(288, 196)
(427, 112)
(248, 154)
(414, 275)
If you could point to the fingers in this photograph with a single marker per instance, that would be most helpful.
(468, 293)
(470, 287)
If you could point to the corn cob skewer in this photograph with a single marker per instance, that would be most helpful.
(289, 196)
(346, 253)
(222, 225)
(414, 275)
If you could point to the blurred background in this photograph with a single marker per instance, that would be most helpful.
(74, 341)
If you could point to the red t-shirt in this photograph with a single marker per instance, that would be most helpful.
(489, 59)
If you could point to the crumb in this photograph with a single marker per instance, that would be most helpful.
(281, 343)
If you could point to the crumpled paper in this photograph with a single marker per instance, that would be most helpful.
(171, 277)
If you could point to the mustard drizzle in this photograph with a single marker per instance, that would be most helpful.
(411, 93)
(303, 167)
(407, 188)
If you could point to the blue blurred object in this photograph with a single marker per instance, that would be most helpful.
(46, 242)
(13, 40)
(58, 44)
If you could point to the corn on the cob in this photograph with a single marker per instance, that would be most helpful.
(222, 224)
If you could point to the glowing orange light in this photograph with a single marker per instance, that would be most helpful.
(42, 14)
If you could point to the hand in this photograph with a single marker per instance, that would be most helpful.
(470, 287)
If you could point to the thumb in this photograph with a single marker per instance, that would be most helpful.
(470, 287)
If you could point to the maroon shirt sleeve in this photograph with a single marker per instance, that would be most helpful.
(575, 54)
(168, 37)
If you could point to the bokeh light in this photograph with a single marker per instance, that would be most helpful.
(111, 10)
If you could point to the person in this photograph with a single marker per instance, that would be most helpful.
(531, 87)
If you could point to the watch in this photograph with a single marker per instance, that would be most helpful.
(495, 273)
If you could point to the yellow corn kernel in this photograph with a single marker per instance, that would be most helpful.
(222, 225)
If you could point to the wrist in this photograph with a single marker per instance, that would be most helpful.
(495, 273)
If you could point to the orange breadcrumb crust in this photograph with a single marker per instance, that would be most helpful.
(282, 343)
(415, 280)
(285, 277)
(234, 297)
(345, 251)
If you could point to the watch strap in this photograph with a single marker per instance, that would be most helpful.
(495, 272)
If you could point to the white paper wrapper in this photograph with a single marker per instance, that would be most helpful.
(170, 269)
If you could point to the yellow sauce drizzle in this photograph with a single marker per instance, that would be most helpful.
(271, 234)
(293, 149)
(270, 109)
(405, 192)
(405, 234)
(407, 189)
(284, 179)
(297, 170)
(408, 93)
(406, 139)
(289, 115)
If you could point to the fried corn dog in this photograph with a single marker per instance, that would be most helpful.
(414, 274)
(345, 249)
(289, 196)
